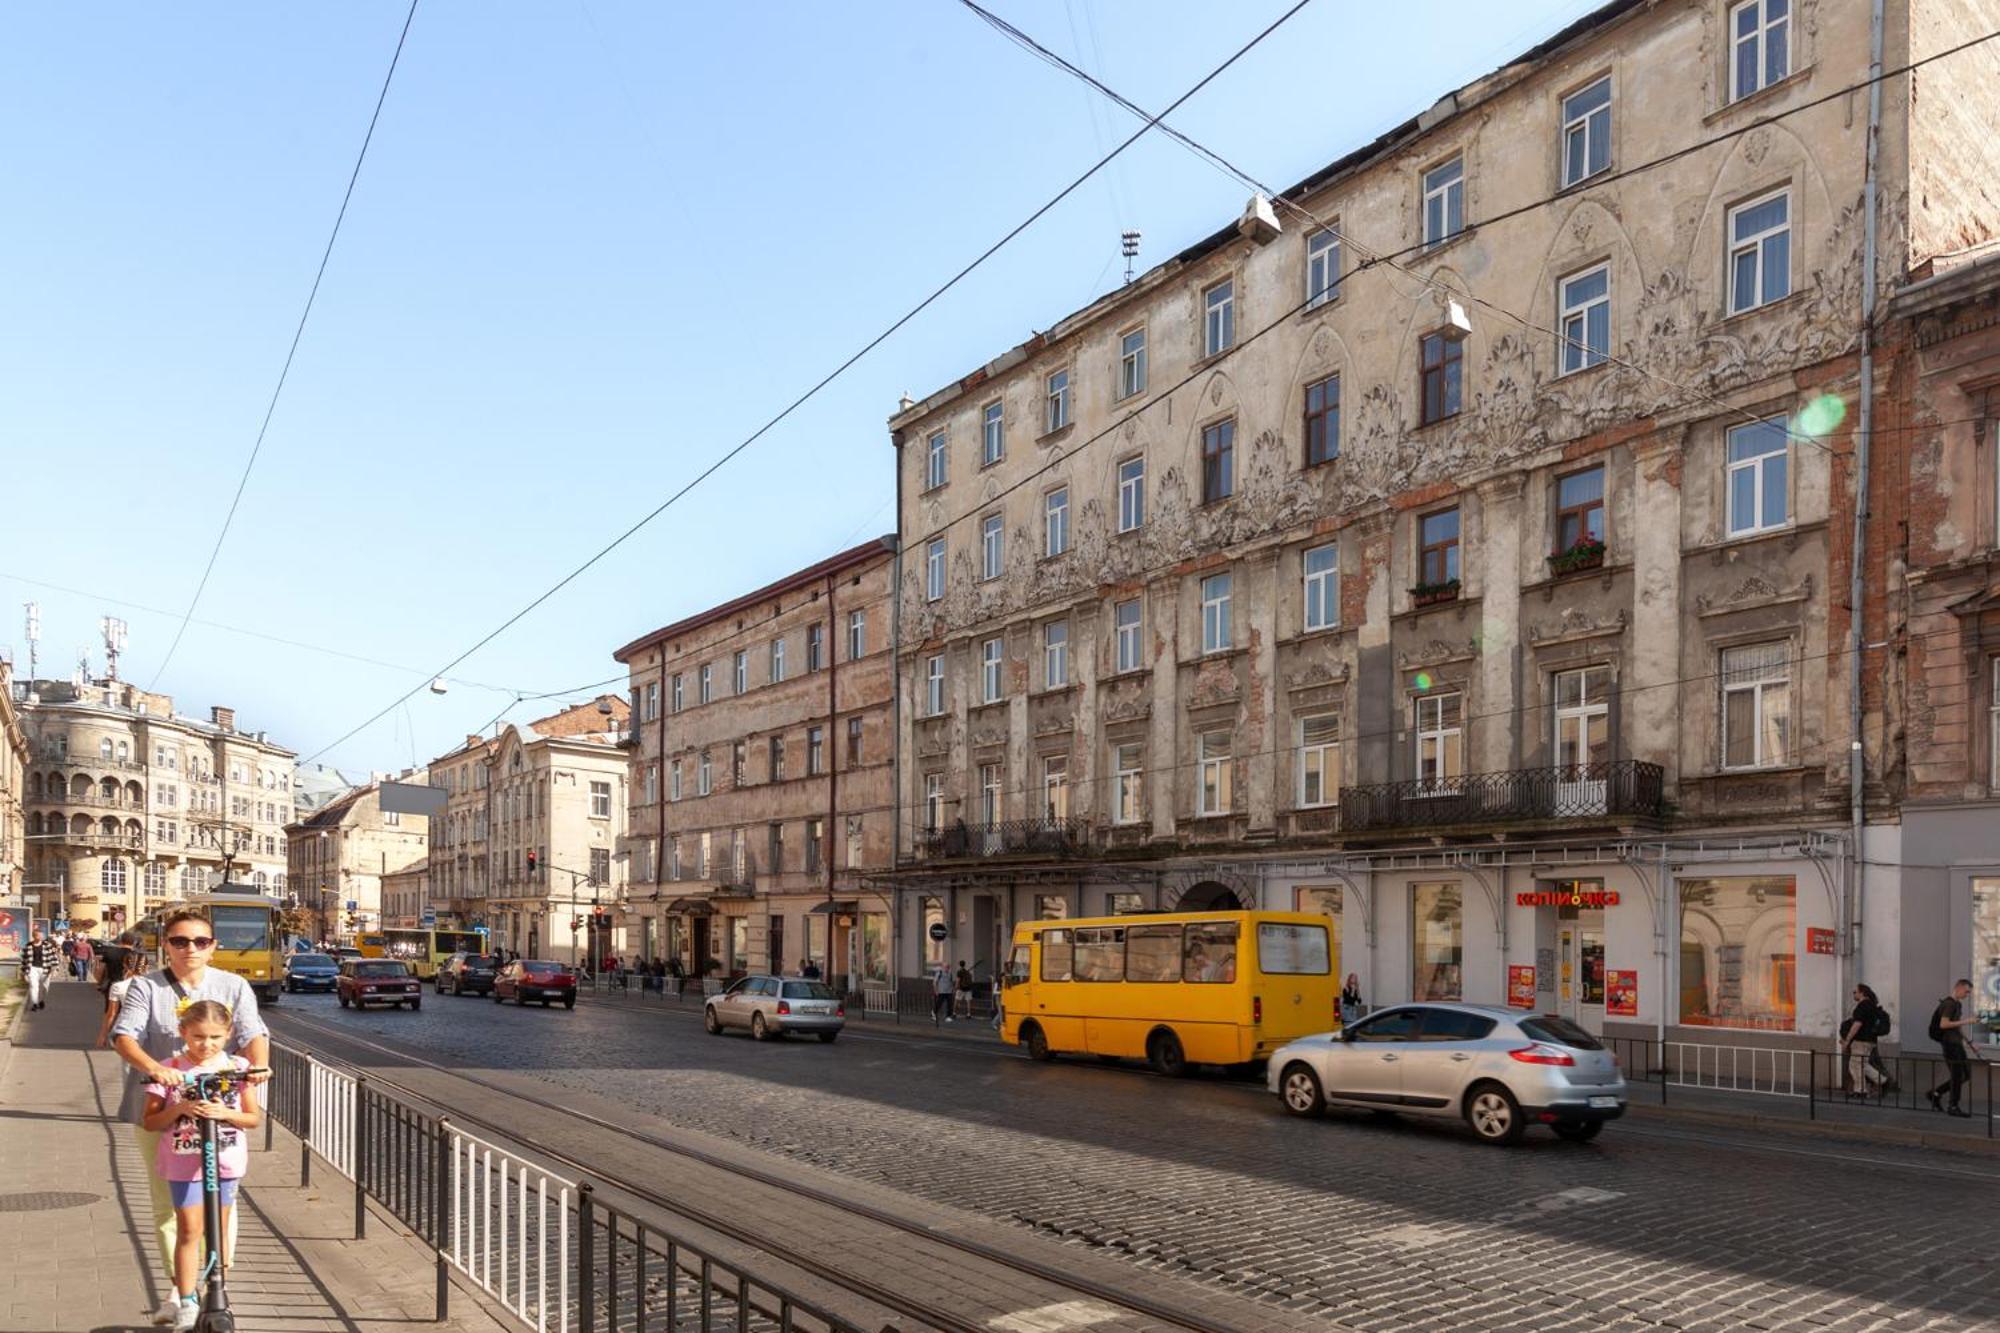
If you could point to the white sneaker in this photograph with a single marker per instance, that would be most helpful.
(185, 1317)
(170, 1310)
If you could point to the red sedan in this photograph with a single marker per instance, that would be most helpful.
(527, 979)
(366, 981)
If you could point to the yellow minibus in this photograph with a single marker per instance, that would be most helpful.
(1174, 989)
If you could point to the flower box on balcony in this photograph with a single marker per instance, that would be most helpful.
(1430, 594)
(1586, 554)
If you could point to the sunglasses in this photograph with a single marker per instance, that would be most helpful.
(190, 941)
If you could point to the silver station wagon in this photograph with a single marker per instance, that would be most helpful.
(1499, 1069)
(771, 1006)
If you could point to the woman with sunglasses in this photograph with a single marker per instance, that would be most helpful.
(148, 1033)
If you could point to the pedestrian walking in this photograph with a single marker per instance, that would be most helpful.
(147, 1032)
(942, 985)
(963, 980)
(178, 1156)
(80, 958)
(1868, 1023)
(39, 961)
(1948, 1024)
(1351, 1008)
(809, 969)
(114, 996)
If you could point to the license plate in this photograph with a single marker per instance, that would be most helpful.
(1603, 1103)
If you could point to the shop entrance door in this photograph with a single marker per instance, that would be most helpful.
(1580, 969)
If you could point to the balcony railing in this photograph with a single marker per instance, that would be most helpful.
(1011, 837)
(1624, 789)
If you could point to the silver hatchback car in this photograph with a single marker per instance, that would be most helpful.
(770, 1006)
(1501, 1070)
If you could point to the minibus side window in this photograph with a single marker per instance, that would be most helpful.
(1100, 953)
(1152, 953)
(1211, 952)
(1056, 955)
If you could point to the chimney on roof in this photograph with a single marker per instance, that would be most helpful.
(473, 738)
(225, 718)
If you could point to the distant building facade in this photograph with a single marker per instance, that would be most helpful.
(339, 857)
(13, 786)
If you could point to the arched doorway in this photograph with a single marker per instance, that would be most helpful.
(1210, 896)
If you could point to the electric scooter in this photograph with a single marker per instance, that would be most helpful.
(210, 1085)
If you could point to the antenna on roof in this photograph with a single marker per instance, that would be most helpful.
(34, 610)
(1128, 242)
(113, 630)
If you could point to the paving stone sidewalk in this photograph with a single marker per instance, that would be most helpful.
(76, 1229)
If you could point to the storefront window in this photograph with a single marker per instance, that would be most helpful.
(933, 948)
(1986, 951)
(739, 944)
(1437, 936)
(875, 945)
(816, 941)
(1739, 962)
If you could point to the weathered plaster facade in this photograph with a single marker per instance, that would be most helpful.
(762, 798)
(1686, 595)
(13, 783)
(344, 852)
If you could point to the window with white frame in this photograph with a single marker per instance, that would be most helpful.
(705, 775)
(600, 800)
(934, 685)
(989, 794)
(1440, 740)
(674, 857)
(992, 434)
(1218, 318)
(1132, 363)
(936, 462)
(1056, 399)
(777, 660)
(933, 801)
(1585, 303)
(815, 750)
(1131, 494)
(934, 570)
(1215, 629)
(1217, 772)
(705, 683)
(1760, 42)
(1760, 252)
(1126, 618)
(652, 704)
(674, 780)
(1055, 786)
(992, 552)
(1128, 766)
(1757, 705)
(1586, 131)
(815, 647)
(991, 655)
(1444, 201)
(1322, 267)
(857, 635)
(1055, 654)
(679, 693)
(1758, 466)
(1319, 760)
(1055, 522)
(740, 672)
(652, 784)
(1320, 573)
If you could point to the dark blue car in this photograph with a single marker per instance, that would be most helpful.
(310, 971)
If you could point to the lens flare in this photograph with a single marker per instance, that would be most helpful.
(1424, 681)
(1822, 415)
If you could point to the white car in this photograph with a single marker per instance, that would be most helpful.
(1499, 1069)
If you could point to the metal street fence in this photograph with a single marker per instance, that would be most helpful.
(541, 1245)
(1819, 1078)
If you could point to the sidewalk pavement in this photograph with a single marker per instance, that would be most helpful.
(76, 1225)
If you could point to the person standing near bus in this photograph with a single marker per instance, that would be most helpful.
(148, 1032)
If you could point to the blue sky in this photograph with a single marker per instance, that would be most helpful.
(595, 244)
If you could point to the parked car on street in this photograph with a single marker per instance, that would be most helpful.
(464, 973)
(1499, 1069)
(527, 979)
(771, 1006)
(366, 981)
(310, 971)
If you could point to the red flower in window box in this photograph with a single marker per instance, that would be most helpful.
(1588, 553)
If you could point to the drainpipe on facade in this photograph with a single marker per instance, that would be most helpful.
(896, 711)
(1863, 440)
(833, 777)
(1663, 884)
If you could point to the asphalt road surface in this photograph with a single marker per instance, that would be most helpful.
(1374, 1224)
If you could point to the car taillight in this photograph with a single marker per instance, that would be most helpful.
(1541, 1053)
(1256, 1009)
(840, 1011)
(784, 1006)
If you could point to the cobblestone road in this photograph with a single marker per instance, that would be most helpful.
(1381, 1224)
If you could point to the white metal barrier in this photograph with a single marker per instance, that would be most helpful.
(879, 1000)
(509, 1226)
(330, 1122)
(1694, 1064)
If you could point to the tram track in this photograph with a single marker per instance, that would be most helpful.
(1159, 1313)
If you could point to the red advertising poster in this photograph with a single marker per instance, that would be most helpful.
(1521, 987)
(1621, 993)
(1818, 941)
(13, 933)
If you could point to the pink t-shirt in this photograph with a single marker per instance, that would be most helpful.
(179, 1156)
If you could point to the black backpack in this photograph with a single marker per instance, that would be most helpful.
(1881, 1026)
(1937, 1016)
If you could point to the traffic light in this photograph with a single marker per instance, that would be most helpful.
(531, 860)
(576, 923)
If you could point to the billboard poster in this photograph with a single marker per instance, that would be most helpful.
(13, 934)
(1521, 987)
(1621, 993)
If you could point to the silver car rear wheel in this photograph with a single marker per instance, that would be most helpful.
(1493, 1113)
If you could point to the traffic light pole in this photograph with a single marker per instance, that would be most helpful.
(577, 877)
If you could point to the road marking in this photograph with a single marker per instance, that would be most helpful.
(1562, 1202)
(1412, 1235)
(1054, 1318)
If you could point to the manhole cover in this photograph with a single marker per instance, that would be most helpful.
(45, 1200)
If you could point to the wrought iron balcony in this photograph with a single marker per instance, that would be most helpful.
(1626, 789)
(1011, 837)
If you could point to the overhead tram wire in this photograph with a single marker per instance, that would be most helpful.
(292, 352)
(838, 370)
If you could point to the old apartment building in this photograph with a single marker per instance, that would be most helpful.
(760, 777)
(340, 856)
(530, 843)
(130, 804)
(1460, 545)
(13, 783)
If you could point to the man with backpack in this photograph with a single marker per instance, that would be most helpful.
(1948, 1024)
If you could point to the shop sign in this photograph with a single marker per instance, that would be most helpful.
(1818, 941)
(1621, 993)
(938, 931)
(1521, 987)
(1567, 898)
